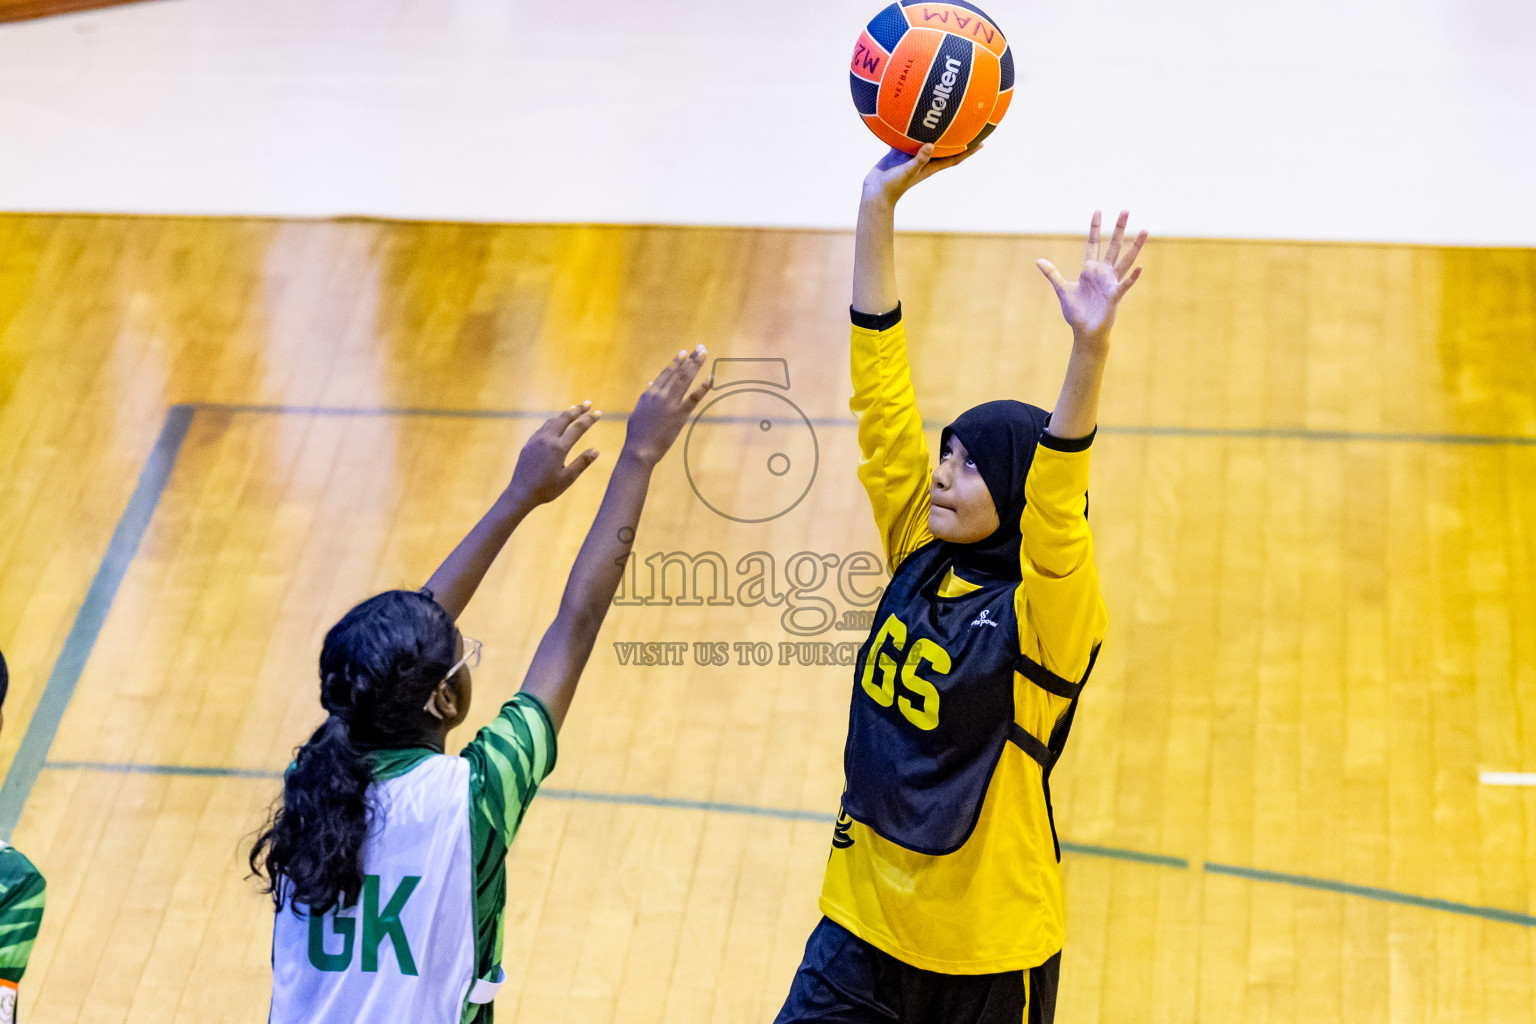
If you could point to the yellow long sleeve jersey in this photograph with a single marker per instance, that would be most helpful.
(994, 903)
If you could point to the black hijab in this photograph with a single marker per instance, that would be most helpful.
(1000, 437)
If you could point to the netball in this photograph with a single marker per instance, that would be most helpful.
(932, 72)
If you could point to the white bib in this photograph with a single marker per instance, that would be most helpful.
(406, 952)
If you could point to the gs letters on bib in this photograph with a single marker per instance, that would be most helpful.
(933, 706)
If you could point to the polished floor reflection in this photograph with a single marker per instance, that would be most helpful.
(1314, 500)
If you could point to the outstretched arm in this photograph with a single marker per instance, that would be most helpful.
(541, 476)
(894, 454)
(1089, 305)
(1059, 595)
(658, 417)
(874, 246)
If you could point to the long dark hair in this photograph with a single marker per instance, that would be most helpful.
(379, 665)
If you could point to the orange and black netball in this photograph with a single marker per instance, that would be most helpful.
(932, 72)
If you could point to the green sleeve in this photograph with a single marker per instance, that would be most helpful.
(507, 761)
(22, 892)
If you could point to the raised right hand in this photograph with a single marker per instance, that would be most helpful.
(665, 406)
(896, 172)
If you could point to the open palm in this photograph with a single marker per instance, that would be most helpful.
(1090, 302)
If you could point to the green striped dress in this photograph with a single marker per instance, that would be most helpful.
(21, 912)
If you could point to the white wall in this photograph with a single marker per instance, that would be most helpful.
(1322, 119)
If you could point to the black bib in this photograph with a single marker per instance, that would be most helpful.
(932, 706)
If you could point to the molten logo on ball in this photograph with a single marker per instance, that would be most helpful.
(941, 93)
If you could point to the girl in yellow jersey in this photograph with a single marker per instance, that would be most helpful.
(943, 893)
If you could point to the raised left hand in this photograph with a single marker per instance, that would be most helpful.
(541, 475)
(1089, 303)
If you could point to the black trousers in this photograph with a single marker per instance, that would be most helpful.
(845, 980)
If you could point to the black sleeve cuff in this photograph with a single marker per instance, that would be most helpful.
(876, 321)
(1063, 444)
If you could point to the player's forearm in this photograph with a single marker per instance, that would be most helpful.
(604, 554)
(1077, 409)
(874, 257)
(455, 581)
(567, 644)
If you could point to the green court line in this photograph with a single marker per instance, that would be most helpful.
(134, 768)
(819, 817)
(1301, 434)
(409, 411)
(675, 803)
(44, 724)
(365, 410)
(1149, 430)
(587, 796)
(1373, 893)
(1116, 853)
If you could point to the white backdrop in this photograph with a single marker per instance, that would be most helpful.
(1411, 120)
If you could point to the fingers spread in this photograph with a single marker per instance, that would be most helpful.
(578, 426)
(1128, 260)
(664, 378)
(1113, 252)
(686, 371)
(557, 423)
(1053, 275)
(1127, 281)
(579, 464)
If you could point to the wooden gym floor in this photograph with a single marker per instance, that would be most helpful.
(1314, 498)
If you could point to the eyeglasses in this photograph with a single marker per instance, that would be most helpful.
(471, 659)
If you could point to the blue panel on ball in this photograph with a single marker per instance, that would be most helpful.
(1006, 82)
(888, 27)
(866, 95)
